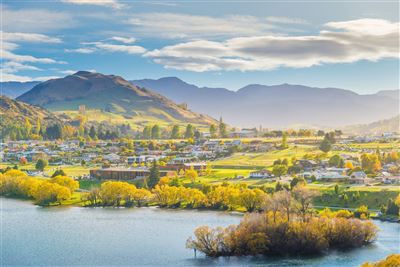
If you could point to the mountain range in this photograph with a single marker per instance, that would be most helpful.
(110, 94)
(280, 106)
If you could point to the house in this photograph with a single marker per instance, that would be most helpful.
(358, 175)
(112, 157)
(261, 174)
(307, 164)
(332, 177)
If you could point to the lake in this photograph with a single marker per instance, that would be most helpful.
(72, 236)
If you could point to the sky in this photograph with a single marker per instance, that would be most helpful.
(351, 45)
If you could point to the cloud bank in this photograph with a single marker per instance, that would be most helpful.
(338, 42)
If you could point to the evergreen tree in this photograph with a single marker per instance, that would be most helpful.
(325, 145)
(213, 131)
(41, 164)
(189, 133)
(147, 132)
(175, 134)
(154, 176)
(222, 129)
(155, 132)
(92, 132)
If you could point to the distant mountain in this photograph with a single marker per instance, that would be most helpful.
(377, 127)
(111, 94)
(12, 111)
(278, 106)
(390, 93)
(15, 89)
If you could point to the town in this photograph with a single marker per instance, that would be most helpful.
(323, 161)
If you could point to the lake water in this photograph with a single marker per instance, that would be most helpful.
(34, 236)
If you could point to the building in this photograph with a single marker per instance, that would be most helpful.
(261, 174)
(123, 173)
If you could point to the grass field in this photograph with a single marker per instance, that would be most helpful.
(260, 160)
(373, 145)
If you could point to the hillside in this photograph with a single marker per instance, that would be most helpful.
(377, 127)
(12, 111)
(108, 94)
(277, 106)
(15, 89)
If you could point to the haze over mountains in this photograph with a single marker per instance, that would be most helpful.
(108, 93)
(277, 106)
(282, 105)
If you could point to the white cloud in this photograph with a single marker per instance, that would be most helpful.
(286, 20)
(12, 67)
(14, 63)
(35, 20)
(92, 47)
(70, 72)
(109, 3)
(82, 50)
(173, 25)
(130, 49)
(125, 40)
(349, 44)
(28, 37)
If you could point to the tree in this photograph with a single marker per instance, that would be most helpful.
(65, 181)
(191, 174)
(222, 129)
(284, 144)
(58, 172)
(54, 131)
(336, 161)
(92, 132)
(304, 198)
(28, 127)
(325, 145)
(154, 176)
(155, 132)
(213, 131)
(23, 161)
(41, 164)
(175, 134)
(279, 170)
(349, 165)
(189, 133)
(297, 181)
(336, 189)
(38, 126)
(286, 201)
(146, 132)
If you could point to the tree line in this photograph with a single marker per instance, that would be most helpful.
(15, 183)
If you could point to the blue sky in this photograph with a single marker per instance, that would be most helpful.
(208, 43)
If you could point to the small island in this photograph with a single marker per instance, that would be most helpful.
(286, 227)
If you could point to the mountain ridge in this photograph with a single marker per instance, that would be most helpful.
(257, 104)
(109, 93)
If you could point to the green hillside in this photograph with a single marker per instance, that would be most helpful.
(111, 95)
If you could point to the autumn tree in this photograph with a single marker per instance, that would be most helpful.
(279, 170)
